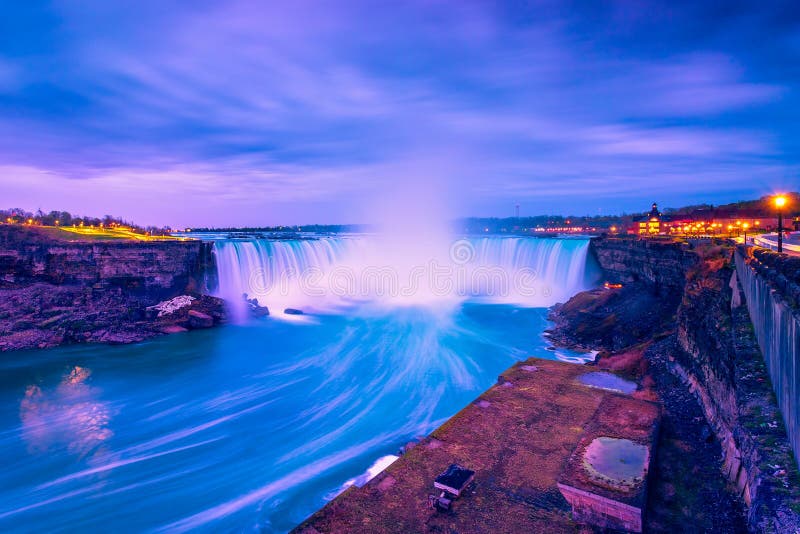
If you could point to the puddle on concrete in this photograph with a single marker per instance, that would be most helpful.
(608, 381)
(620, 462)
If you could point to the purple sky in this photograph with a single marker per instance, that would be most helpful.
(236, 113)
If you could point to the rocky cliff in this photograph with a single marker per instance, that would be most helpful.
(54, 291)
(660, 265)
(724, 367)
(652, 275)
(692, 288)
(152, 269)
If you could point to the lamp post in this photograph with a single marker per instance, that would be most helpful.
(780, 202)
(745, 226)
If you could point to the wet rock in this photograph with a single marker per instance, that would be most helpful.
(172, 329)
(198, 319)
(259, 311)
(255, 309)
(293, 311)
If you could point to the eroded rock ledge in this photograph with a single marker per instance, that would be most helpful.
(680, 308)
(54, 291)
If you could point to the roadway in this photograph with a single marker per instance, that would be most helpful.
(791, 244)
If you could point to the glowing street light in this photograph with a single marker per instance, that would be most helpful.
(745, 226)
(780, 202)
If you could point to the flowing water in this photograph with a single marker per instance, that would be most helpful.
(254, 425)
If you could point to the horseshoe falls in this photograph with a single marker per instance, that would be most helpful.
(254, 425)
(339, 271)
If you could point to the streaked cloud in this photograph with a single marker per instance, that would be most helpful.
(304, 112)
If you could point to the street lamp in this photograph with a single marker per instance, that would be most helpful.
(780, 202)
(745, 226)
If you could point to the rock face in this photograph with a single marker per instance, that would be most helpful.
(716, 356)
(652, 274)
(150, 269)
(659, 265)
(256, 310)
(54, 291)
(198, 319)
(611, 319)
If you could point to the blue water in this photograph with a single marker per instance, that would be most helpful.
(241, 427)
(609, 381)
(252, 426)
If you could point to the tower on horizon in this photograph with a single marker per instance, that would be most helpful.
(517, 211)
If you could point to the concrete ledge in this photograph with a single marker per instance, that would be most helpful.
(615, 497)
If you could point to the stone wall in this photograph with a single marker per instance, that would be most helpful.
(771, 284)
(722, 364)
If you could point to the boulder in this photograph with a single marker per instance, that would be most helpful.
(198, 319)
(293, 311)
(173, 329)
(259, 311)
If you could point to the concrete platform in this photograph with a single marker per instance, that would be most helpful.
(605, 479)
(517, 436)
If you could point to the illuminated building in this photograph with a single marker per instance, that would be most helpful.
(650, 224)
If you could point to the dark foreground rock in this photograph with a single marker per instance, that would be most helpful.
(612, 319)
(688, 491)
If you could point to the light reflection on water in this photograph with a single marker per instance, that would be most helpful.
(241, 427)
(69, 415)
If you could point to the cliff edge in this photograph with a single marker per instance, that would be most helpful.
(55, 291)
(680, 308)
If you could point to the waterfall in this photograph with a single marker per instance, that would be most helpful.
(338, 270)
(778, 334)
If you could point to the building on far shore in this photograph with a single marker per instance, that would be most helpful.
(725, 224)
(649, 224)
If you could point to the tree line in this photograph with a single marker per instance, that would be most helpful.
(65, 218)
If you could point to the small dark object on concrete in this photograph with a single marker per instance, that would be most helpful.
(454, 479)
(293, 311)
(440, 503)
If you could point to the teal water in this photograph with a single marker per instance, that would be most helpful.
(620, 461)
(609, 381)
(246, 427)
